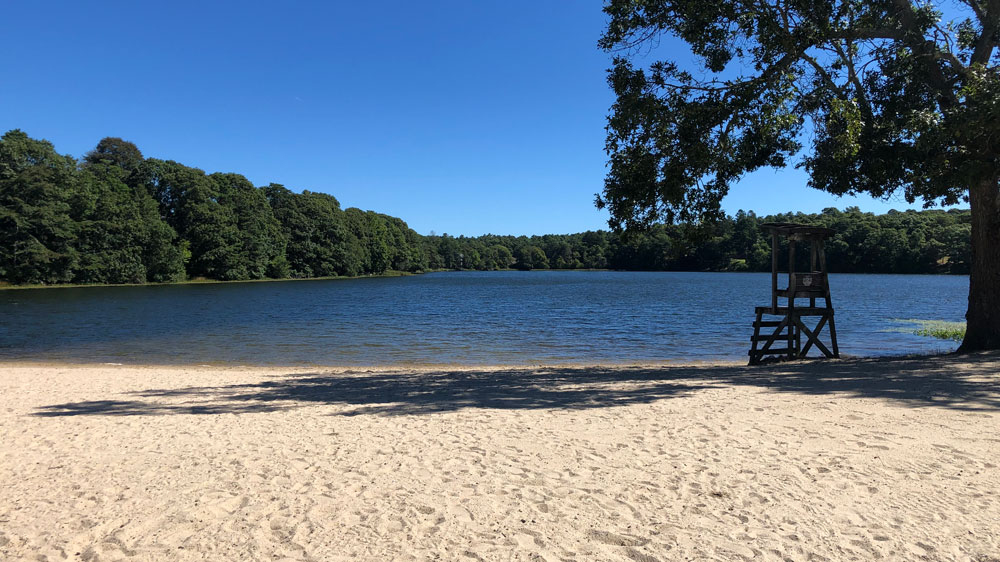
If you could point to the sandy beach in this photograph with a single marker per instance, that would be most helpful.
(840, 460)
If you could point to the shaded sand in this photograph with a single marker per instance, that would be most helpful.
(845, 460)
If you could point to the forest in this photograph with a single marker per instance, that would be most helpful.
(115, 216)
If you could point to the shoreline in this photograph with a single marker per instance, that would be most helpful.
(431, 367)
(380, 368)
(388, 274)
(4, 286)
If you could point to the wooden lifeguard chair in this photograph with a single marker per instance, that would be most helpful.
(789, 325)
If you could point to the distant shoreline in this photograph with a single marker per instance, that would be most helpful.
(387, 274)
(391, 274)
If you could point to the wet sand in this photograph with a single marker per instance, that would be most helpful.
(839, 460)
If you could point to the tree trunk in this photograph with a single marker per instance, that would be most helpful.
(983, 318)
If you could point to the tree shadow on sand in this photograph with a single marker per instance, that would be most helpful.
(969, 382)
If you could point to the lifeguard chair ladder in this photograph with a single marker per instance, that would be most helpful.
(789, 326)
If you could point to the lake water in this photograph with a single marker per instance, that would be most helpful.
(455, 318)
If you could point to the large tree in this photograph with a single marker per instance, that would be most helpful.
(37, 192)
(313, 224)
(874, 97)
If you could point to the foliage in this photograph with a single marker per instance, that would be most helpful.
(36, 225)
(314, 231)
(897, 242)
(119, 218)
(120, 237)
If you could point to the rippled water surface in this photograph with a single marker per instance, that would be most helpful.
(461, 317)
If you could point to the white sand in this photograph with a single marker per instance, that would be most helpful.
(843, 460)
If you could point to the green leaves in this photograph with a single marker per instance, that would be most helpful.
(120, 218)
(36, 226)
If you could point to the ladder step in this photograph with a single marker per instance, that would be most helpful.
(772, 351)
(799, 310)
(767, 324)
(779, 337)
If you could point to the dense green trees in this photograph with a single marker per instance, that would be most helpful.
(316, 240)
(92, 223)
(897, 242)
(117, 217)
(120, 237)
(36, 226)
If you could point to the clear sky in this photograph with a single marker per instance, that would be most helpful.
(457, 116)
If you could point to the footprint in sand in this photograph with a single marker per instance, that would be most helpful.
(614, 539)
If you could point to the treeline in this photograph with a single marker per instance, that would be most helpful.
(931, 241)
(117, 217)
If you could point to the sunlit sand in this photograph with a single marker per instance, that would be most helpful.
(838, 460)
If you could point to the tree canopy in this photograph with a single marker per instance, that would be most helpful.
(118, 217)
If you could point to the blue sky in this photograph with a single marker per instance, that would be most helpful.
(459, 117)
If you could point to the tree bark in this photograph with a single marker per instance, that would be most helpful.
(983, 317)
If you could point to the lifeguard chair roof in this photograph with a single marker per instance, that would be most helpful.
(798, 231)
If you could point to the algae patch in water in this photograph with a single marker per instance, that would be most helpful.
(940, 329)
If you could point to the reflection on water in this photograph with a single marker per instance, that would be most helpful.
(461, 317)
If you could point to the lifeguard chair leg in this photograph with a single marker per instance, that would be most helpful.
(833, 337)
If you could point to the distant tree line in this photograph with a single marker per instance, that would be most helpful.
(117, 217)
(931, 241)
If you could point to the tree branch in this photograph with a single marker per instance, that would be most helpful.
(826, 76)
(989, 20)
(915, 39)
(977, 8)
(852, 75)
(852, 34)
